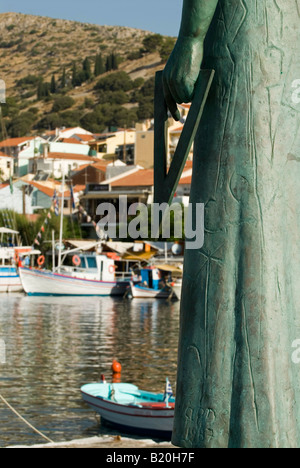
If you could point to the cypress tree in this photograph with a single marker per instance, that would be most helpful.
(86, 66)
(99, 65)
(108, 65)
(114, 62)
(63, 79)
(53, 85)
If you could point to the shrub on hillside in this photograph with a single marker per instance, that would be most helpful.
(62, 103)
(118, 81)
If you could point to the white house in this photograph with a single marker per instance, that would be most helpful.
(15, 201)
(55, 163)
(22, 150)
(6, 166)
(62, 133)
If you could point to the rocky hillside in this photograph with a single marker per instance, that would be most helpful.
(37, 51)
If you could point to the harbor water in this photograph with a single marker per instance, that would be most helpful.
(54, 345)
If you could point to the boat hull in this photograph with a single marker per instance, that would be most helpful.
(133, 419)
(45, 283)
(177, 287)
(140, 292)
(10, 281)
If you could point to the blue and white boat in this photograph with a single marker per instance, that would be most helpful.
(9, 278)
(131, 409)
(151, 285)
(10, 255)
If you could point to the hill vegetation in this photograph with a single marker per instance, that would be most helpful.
(65, 73)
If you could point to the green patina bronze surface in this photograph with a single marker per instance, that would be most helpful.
(237, 383)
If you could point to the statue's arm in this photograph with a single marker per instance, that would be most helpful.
(183, 67)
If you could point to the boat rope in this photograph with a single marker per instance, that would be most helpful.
(24, 420)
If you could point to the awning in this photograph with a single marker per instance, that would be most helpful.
(170, 268)
(5, 230)
(137, 257)
(82, 245)
(120, 247)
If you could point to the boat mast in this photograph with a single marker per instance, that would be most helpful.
(61, 220)
(53, 250)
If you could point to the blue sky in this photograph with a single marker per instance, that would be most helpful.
(159, 16)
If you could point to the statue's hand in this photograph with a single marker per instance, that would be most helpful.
(181, 73)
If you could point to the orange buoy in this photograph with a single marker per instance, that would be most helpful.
(116, 367)
(76, 260)
(41, 260)
(116, 378)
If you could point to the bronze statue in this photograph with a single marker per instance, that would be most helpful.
(238, 385)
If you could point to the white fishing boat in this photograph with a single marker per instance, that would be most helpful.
(90, 275)
(10, 257)
(93, 275)
(131, 409)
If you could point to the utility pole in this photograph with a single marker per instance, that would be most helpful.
(24, 199)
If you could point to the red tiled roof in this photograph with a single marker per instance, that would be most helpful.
(145, 178)
(85, 137)
(100, 166)
(49, 191)
(11, 142)
(185, 180)
(70, 141)
(142, 178)
(3, 155)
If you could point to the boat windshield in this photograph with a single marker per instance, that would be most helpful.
(91, 262)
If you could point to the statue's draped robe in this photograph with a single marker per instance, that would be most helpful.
(237, 383)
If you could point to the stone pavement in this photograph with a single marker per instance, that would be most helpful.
(110, 442)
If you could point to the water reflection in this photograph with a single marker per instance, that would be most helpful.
(55, 345)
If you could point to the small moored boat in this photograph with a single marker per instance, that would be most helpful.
(151, 285)
(131, 409)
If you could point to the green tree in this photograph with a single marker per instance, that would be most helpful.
(86, 67)
(108, 63)
(43, 90)
(114, 62)
(21, 125)
(166, 48)
(99, 65)
(152, 42)
(50, 122)
(53, 88)
(62, 103)
(115, 82)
